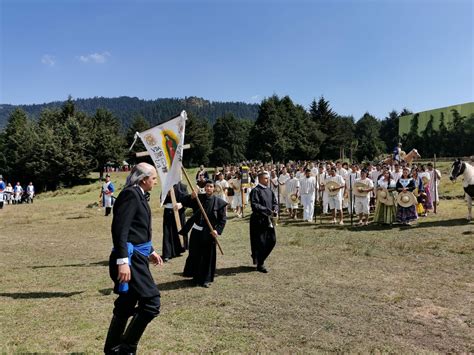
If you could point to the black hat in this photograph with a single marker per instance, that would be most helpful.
(209, 181)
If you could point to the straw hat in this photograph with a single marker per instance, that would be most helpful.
(385, 197)
(332, 188)
(294, 198)
(359, 188)
(406, 199)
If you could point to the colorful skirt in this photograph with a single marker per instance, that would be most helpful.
(428, 202)
(406, 214)
(385, 214)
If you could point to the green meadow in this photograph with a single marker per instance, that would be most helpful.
(329, 289)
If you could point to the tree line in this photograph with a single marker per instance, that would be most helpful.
(64, 144)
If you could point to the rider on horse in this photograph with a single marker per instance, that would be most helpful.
(396, 152)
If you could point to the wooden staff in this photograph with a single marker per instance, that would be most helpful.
(176, 215)
(435, 178)
(202, 209)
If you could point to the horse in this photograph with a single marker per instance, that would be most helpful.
(409, 158)
(459, 168)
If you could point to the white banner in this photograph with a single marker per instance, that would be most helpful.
(164, 143)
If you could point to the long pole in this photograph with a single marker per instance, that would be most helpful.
(176, 215)
(350, 199)
(278, 191)
(435, 188)
(202, 209)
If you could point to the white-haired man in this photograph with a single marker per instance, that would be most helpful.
(139, 296)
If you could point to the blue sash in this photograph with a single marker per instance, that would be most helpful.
(143, 249)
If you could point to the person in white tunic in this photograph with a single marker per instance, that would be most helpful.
(221, 187)
(343, 172)
(17, 193)
(308, 188)
(106, 194)
(236, 185)
(30, 192)
(434, 182)
(8, 193)
(350, 179)
(362, 198)
(292, 189)
(323, 174)
(282, 179)
(335, 201)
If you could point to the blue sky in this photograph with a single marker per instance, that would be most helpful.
(363, 56)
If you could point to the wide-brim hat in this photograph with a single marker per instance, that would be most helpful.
(406, 199)
(294, 198)
(359, 188)
(385, 197)
(330, 186)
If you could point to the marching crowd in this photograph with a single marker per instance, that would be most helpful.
(396, 192)
(15, 194)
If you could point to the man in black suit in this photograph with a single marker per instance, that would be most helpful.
(262, 230)
(129, 263)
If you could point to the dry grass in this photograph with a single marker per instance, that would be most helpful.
(329, 288)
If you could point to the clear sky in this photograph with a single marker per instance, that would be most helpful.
(361, 55)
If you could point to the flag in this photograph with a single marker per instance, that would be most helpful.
(165, 143)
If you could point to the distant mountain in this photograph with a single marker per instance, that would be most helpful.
(155, 111)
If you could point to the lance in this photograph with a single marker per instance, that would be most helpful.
(278, 190)
(350, 199)
(202, 209)
(435, 189)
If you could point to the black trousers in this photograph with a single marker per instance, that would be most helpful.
(127, 304)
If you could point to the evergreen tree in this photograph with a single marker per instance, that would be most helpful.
(139, 124)
(389, 130)
(327, 122)
(367, 134)
(107, 140)
(199, 135)
(457, 135)
(230, 140)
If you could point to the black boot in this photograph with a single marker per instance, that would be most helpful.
(133, 333)
(114, 335)
(108, 210)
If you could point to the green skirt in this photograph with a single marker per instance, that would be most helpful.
(385, 214)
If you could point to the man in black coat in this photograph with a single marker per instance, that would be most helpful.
(129, 263)
(171, 244)
(201, 261)
(262, 230)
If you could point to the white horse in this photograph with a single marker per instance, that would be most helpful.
(460, 167)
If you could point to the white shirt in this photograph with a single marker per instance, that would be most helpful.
(308, 185)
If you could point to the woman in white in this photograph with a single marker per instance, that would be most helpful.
(235, 184)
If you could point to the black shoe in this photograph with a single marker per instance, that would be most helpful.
(262, 268)
(165, 260)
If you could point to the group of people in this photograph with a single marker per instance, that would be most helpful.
(335, 187)
(15, 194)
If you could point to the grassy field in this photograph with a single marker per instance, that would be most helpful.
(345, 289)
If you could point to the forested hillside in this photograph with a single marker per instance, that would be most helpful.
(154, 111)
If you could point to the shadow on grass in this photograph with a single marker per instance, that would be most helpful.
(232, 271)
(188, 282)
(33, 295)
(98, 263)
(442, 223)
(78, 217)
